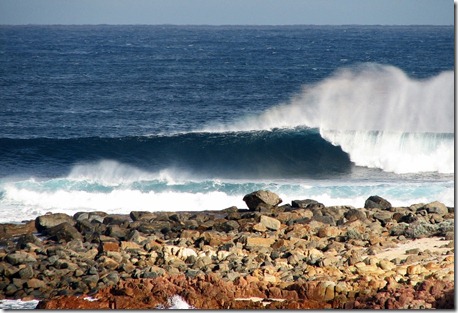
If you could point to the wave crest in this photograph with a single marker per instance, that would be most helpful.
(413, 119)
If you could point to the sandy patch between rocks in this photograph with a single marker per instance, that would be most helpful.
(433, 244)
(265, 301)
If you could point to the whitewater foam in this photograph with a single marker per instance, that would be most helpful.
(26, 199)
(396, 151)
(354, 103)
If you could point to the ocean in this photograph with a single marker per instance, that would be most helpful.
(185, 118)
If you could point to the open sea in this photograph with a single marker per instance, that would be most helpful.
(174, 118)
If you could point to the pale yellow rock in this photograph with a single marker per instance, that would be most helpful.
(342, 288)
(370, 269)
(386, 265)
(401, 270)
(259, 242)
(259, 227)
(108, 263)
(360, 265)
(130, 245)
(371, 260)
(327, 290)
(270, 222)
(270, 278)
(415, 269)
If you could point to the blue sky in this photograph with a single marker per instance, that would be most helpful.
(228, 12)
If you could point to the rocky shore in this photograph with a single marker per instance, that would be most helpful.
(297, 255)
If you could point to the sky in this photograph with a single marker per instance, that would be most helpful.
(228, 12)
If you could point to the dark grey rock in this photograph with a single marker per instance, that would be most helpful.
(117, 232)
(354, 214)
(28, 238)
(227, 226)
(325, 219)
(116, 219)
(20, 257)
(261, 199)
(307, 204)
(26, 272)
(436, 207)
(97, 216)
(64, 231)
(142, 215)
(383, 216)
(377, 202)
(47, 221)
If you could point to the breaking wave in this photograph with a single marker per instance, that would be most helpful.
(377, 114)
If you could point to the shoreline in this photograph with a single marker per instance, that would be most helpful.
(297, 255)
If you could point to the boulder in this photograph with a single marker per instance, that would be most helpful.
(142, 215)
(44, 222)
(20, 257)
(97, 216)
(261, 199)
(383, 216)
(259, 242)
(10, 230)
(116, 219)
(376, 202)
(35, 283)
(436, 207)
(269, 222)
(25, 239)
(64, 231)
(307, 204)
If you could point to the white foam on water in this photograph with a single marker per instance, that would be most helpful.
(18, 304)
(412, 119)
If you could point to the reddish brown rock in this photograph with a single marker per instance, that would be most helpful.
(8, 231)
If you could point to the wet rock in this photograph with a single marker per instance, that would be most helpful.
(47, 221)
(261, 199)
(376, 202)
(142, 215)
(116, 231)
(87, 228)
(307, 204)
(64, 231)
(92, 217)
(116, 219)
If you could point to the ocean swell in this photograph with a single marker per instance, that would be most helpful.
(260, 154)
(378, 115)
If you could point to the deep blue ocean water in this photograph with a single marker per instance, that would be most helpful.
(122, 118)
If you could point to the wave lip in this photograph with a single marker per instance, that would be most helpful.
(377, 114)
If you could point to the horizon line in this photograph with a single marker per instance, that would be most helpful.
(215, 25)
